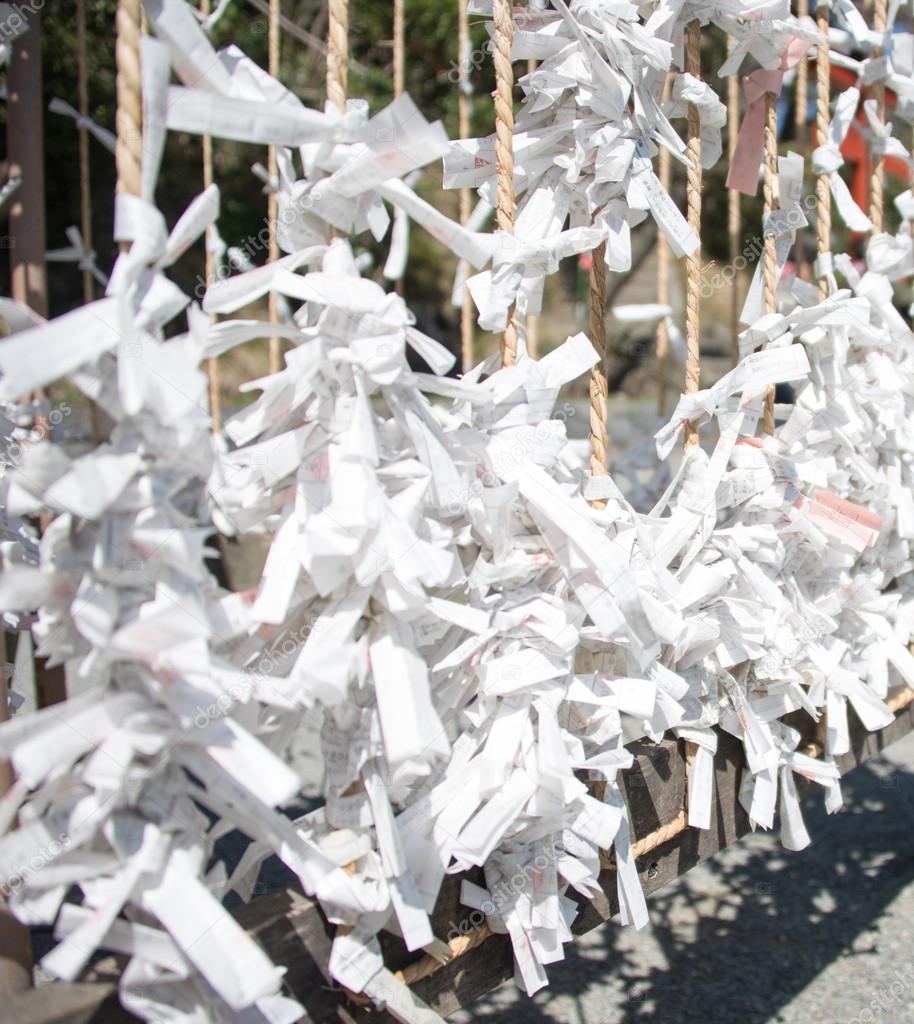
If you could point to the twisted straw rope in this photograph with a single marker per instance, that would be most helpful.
(769, 268)
(463, 117)
(693, 266)
(275, 361)
(504, 148)
(802, 105)
(399, 54)
(531, 335)
(428, 965)
(599, 388)
(212, 365)
(662, 336)
(129, 118)
(772, 201)
(693, 195)
(399, 78)
(823, 120)
(338, 52)
(734, 219)
(802, 97)
(877, 177)
(903, 699)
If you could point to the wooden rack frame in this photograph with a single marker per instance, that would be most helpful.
(294, 932)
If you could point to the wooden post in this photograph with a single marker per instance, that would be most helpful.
(15, 943)
(25, 147)
(27, 237)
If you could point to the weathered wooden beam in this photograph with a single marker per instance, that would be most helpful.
(62, 1003)
(293, 931)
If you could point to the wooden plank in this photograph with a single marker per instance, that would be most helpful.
(63, 1003)
(294, 932)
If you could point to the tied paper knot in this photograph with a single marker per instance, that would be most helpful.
(827, 159)
(519, 268)
(880, 138)
(346, 126)
(783, 224)
(9, 190)
(743, 174)
(76, 252)
(106, 138)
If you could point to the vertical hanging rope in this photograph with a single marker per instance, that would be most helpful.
(129, 119)
(212, 366)
(823, 208)
(337, 52)
(799, 112)
(504, 148)
(399, 55)
(877, 177)
(599, 387)
(399, 76)
(772, 202)
(85, 192)
(273, 170)
(693, 272)
(802, 94)
(464, 130)
(769, 269)
(531, 338)
(662, 336)
(734, 217)
(823, 119)
(693, 196)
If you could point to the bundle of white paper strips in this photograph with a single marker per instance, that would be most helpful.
(482, 625)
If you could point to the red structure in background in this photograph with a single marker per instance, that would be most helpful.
(855, 150)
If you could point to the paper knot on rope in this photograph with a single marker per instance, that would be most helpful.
(744, 169)
(853, 21)
(76, 252)
(519, 268)
(827, 159)
(770, 366)
(879, 136)
(783, 223)
(687, 89)
(106, 138)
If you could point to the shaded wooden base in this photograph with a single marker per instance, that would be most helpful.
(293, 931)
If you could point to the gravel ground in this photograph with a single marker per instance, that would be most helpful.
(760, 935)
